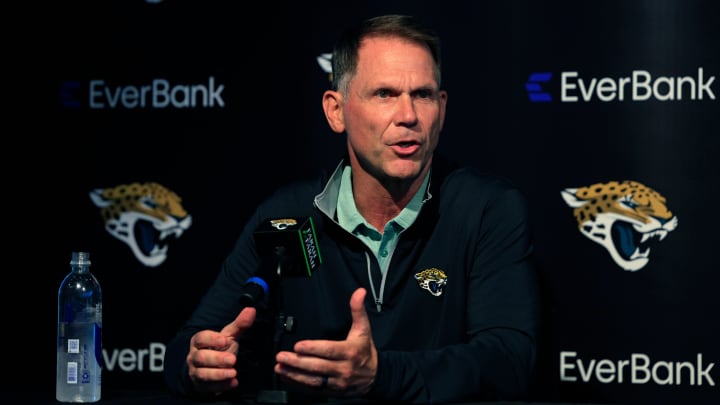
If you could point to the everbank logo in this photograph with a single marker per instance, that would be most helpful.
(638, 369)
(637, 86)
(156, 94)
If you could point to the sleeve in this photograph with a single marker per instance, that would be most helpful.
(503, 313)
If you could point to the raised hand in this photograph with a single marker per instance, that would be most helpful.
(341, 368)
(212, 356)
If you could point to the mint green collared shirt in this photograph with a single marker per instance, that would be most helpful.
(381, 244)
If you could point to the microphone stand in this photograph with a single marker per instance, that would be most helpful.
(283, 323)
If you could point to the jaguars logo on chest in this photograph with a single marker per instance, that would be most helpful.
(433, 280)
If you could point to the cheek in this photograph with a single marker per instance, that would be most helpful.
(359, 120)
(433, 121)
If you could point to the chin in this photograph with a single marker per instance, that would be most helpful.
(404, 170)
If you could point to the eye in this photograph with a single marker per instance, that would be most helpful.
(148, 202)
(424, 93)
(383, 93)
(629, 202)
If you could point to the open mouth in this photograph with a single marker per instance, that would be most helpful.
(631, 244)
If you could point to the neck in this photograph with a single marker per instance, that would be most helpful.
(380, 200)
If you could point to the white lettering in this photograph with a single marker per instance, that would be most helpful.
(565, 86)
(605, 371)
(704, 373)
(636, 366)
(95, 93)
(641, 79)
(643, 86)
(641, 369)
(691, 371)
(656, 374)
(586, 95)
(669, 88)
(159, 94)
(129, 360)
(704, 87)
(564, 366)
(585, 376)
(621, 365)
(621, 87)
(606, 89)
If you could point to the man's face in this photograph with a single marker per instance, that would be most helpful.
(394, 110)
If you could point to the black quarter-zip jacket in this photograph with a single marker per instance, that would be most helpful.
(476, 340)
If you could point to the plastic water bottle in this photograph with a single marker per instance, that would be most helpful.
(79, 337)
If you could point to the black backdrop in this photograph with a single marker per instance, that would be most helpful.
(265, 127)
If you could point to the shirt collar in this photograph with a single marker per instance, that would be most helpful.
(349, 217)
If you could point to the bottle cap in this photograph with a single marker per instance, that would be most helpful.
(80, 258)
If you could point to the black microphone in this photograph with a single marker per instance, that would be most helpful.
(288, 248)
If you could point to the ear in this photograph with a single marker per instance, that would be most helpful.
(333, 106)
(570, 197)
(443, 107)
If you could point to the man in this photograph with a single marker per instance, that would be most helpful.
(426, 293)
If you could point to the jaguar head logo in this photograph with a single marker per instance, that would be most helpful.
(145, 216)
(624, 217)
(283, 223)
(433, 280)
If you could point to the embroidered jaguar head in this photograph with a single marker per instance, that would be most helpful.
(626, 218)
(144, 216)
(283, 223)
(433, 280)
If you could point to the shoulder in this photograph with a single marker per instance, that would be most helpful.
(470, 198)
(292, 194)
(294, 198)
(468, 182)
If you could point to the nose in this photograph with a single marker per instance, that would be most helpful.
(405, 114)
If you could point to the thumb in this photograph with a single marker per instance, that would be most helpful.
(240, 324)
(360, 322)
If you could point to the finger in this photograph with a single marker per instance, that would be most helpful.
(317, 379)
(240, 324)
(208, 339)
(213, 358)
(213, 379)
(360, 322)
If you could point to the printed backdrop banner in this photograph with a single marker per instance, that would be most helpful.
(169, 121)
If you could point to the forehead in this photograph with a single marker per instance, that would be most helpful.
(391, 53)
(383, 49)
